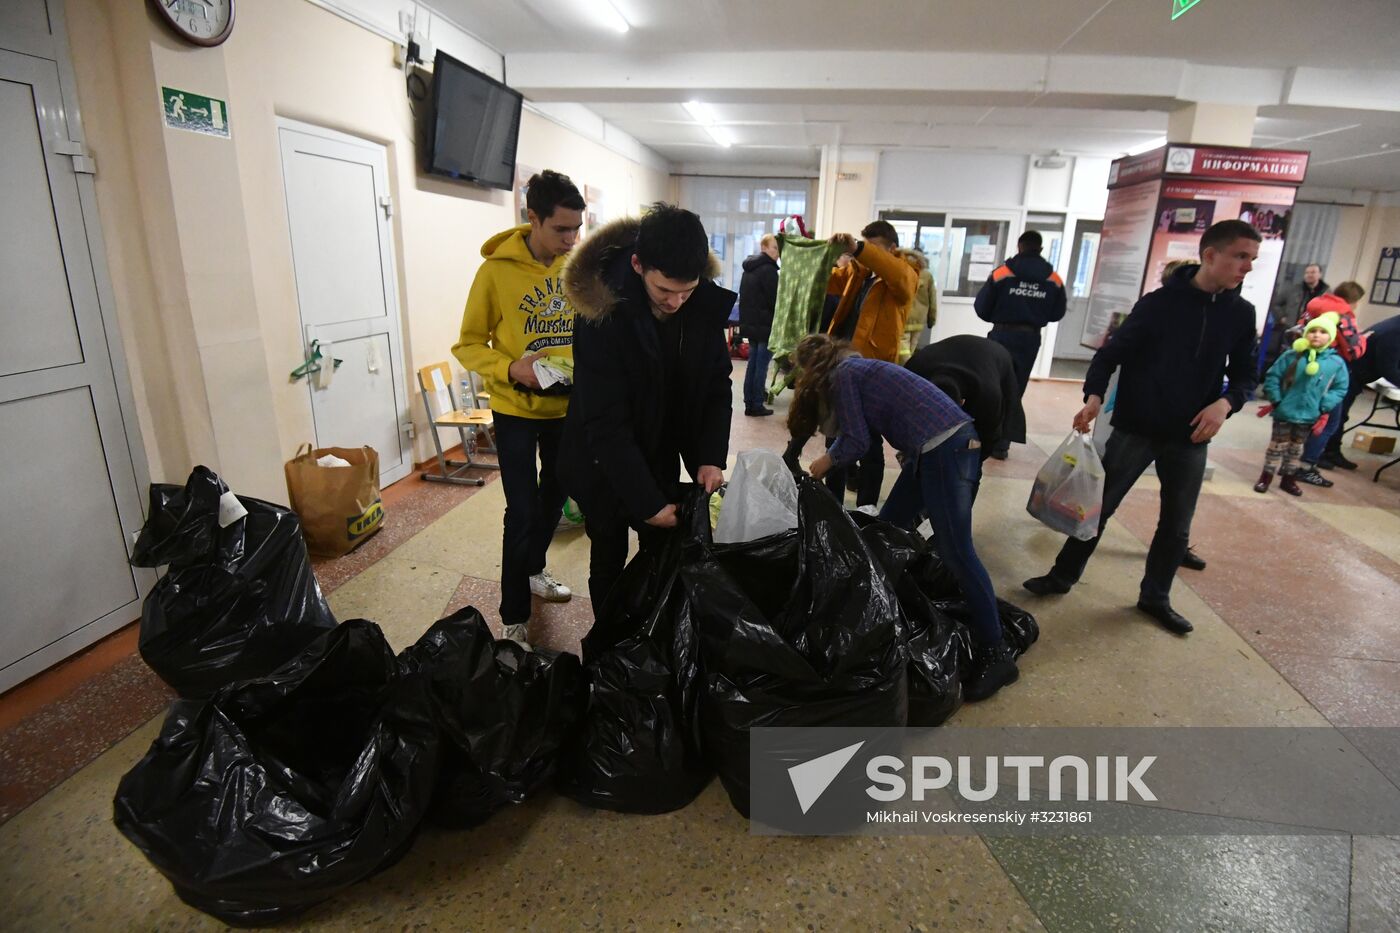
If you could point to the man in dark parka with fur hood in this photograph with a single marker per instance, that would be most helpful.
(651, 380)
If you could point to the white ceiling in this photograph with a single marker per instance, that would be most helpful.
(1089, 77)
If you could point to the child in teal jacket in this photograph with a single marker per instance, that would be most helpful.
(1302, 387)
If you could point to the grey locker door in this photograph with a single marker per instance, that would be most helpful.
(69, 492)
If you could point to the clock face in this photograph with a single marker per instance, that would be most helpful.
(203, 22)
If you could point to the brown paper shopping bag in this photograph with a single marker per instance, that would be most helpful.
(339, 506)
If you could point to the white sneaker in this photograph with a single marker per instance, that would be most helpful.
(547, 588)
(518, 634)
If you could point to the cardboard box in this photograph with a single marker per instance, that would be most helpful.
(1372, 442)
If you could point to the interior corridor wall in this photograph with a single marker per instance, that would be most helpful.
(1382, 230)
(286, 58)
(995, 186)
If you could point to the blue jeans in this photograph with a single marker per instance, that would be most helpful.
(534, 502)
(1181, 467)
(1317, 443)
(943, 483)
(756, 375)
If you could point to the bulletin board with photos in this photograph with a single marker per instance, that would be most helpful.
(1385, 290)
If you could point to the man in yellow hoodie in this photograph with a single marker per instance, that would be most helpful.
(517, 315)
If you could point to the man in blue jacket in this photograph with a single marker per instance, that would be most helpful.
(1380, 361)
(1020, 297)
(758, 296)
(1174, 352)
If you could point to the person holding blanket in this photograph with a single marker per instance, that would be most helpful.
(1303, 388)
(853, 400)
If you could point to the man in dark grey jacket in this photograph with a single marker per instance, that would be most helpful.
(1174, 352)
(758, 296)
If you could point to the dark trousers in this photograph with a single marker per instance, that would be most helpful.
(756, 375)
(943, 484)
(1181, 467)
(1354, 387)
(534, 502)
(607, 554)
(1024, 347)
(870, 474)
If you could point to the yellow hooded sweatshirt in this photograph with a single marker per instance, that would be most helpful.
(516, 307)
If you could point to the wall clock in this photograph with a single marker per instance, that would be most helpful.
(202, 22)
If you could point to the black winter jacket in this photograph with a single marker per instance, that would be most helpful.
(611, 459)
(980, 373)
(758, 295)
(1023, 290)
(1175, 350)
(1382, 359)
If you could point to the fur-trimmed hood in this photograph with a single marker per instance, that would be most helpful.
(595, 271)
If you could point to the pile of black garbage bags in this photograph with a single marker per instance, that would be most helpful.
(305, 755)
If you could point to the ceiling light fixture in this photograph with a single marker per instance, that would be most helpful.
(703, 113)
(720, 135)
(1148, 146)
(608, 15)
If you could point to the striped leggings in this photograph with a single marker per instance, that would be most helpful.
(1286, 447)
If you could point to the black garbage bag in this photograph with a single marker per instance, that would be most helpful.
(284, 789)
(237, 601)
(504, 714)
(1018, 626)
(637, 749)
(939, 647)
(796, 629)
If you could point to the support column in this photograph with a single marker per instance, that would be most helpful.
(1212, 124)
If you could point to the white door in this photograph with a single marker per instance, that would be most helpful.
(69, 492)
(338, 209)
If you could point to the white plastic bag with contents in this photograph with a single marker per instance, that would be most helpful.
(1068, 491)
(761, 499)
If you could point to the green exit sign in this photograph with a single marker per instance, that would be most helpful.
(1181, 6)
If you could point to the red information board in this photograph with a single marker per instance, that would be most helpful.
(1159, 204)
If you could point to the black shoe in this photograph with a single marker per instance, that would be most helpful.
(1337, 458)
(992, 669)
(758, 412)
(1314, 478)
(1048, 585)
(1191, 560)
(1325, 462)
(1001, 454)
(1167, 617)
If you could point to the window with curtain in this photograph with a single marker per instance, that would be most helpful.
(737, 212)
(1311, 229)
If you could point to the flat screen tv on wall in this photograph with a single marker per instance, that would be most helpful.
(476, 124)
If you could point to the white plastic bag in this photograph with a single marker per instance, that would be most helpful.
(1068, 491)
(761, 499)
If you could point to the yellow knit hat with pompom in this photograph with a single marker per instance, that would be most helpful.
(1324, 322)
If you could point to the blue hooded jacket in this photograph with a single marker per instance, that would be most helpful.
(1308, 396)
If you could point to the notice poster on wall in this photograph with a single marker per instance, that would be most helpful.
(1186, 209)
(595, 215)
(523, 174)
(1128, 221)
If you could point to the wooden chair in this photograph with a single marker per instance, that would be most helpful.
(470, 423)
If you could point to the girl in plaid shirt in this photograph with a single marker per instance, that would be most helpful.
(854, 400)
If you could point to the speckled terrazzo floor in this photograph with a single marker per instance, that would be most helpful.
(1266, 651)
